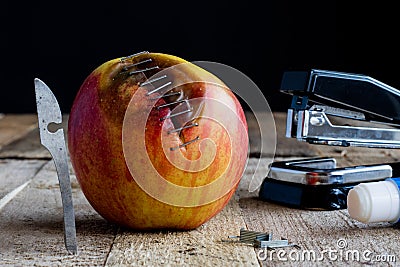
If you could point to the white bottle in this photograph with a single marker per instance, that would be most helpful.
(375, 201)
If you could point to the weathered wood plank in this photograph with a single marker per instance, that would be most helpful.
(14, 126)
(31, 227)
(200, 247)
(319, 231)
(31, 223)
(316, 232)
(14, 173)
(284, 146)
(29, 146)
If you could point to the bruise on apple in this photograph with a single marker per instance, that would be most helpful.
(96, 150)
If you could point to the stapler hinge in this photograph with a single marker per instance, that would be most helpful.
(350, 96)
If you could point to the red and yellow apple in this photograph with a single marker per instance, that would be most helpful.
(152, 179)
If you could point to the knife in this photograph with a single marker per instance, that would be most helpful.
(49, 112)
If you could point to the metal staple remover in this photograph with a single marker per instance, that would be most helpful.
(48, 113)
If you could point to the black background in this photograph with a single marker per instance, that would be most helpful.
(61, 42)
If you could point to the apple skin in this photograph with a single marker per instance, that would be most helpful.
(96, 150)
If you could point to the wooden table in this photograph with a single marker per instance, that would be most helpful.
(31, 230)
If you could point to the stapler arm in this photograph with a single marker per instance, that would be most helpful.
(319, 95)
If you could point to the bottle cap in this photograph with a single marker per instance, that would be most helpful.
(374, 202)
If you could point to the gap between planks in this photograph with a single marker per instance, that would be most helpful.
(15, 126)
(31, 232)
(31, 226)
(35, 213)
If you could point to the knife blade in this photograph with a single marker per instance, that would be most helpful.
(49, 112)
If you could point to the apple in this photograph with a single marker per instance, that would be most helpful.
(154, 155)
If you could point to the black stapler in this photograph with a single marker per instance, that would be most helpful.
(318, 97)
(319, 93)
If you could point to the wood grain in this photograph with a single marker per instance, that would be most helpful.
(14, 126)
(31, 227)
(316, 232)
(29, 147)
(31, 231)
(14, 173)
(200, 247)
